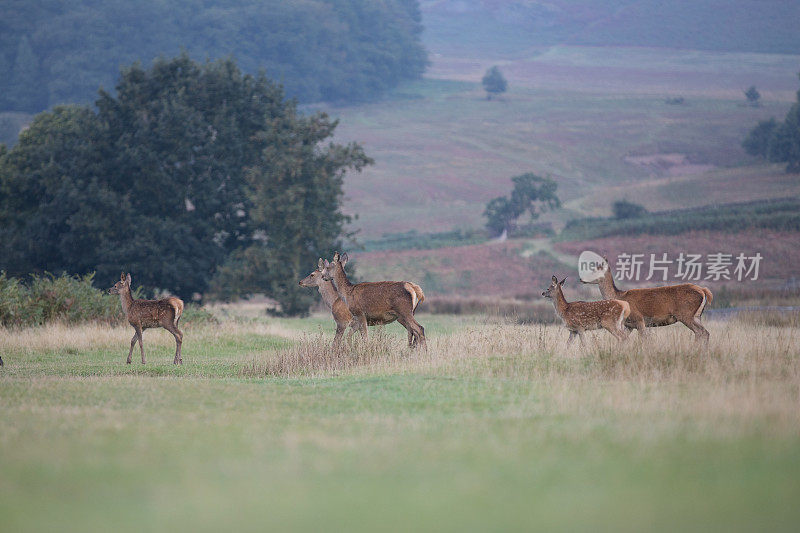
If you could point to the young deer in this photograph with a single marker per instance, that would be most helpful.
(581, 316)
(659, 306)
(341, 314)
(143, 314)
(380, 302)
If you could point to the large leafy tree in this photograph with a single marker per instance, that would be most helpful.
(188, 166)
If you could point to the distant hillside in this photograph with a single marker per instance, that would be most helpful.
(508, 26)
(331, 50)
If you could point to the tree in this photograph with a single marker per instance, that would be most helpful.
(757, 141)
(778, 142)
(494, 83)
(752, 95)
(531, 193)
(185, 169)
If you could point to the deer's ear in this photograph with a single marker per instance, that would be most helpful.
(327, 264)
(128, 279)
(122, 276)
(320, 264)
(335, 256)
(555, 279)
(344, 259)
(562, 281)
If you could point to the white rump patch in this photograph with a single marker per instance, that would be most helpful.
(413, 293)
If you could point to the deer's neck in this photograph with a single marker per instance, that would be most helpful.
(607, 287)
(560, 303)
(342, 285)
(127, 300)
(328, 293)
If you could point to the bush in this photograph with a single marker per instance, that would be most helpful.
(69, 299)
(626, 209)
(48, 298)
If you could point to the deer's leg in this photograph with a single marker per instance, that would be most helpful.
(583, 339)
(178, 334)
(1, 360)
(701, 334)
(361, 324)
(133, 343)
(572, 335)
(141, 344)
(340, 327)
(610, 325)
(416, 333)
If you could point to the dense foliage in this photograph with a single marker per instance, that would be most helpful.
(190, 166)
(779, 215)
(626, 209)
(337, 50)
(778, 141)
(531, 194)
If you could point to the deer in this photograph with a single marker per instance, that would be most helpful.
(144, 314)
(658, 306)
(378, 302)
(583, 316)
(341, 313)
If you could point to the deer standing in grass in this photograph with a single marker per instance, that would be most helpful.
(341, 314)
(582, 316)
(379, 302)
(144, 314)
(658, 306)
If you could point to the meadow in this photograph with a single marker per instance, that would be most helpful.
(497, 426)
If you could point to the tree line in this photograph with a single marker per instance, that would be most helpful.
(196, 177)
(320, 50)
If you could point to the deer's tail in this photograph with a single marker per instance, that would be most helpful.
(177, 306)
(417, 296)
(707, 298)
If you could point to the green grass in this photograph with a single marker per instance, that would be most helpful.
(483, 443)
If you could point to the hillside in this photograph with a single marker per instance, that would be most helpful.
(481, 26)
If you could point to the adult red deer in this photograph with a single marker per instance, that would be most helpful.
(380, 302)
(341, 314)
(144, 314)
(583, 316)
(658, 306)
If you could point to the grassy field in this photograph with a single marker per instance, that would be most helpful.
(496, 427)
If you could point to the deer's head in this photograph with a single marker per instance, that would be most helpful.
(120, 286)
(554, 284)
(334, 267)
(315, 278)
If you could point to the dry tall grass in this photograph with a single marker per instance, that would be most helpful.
(736, 351)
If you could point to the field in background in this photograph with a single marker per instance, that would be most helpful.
(442, 150)
(497, 426)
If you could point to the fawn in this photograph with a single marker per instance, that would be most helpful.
(143, 314)
(581, 316)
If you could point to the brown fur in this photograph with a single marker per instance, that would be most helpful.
(144, 314)
(380, 302)
(584, 316)
(660, 306)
